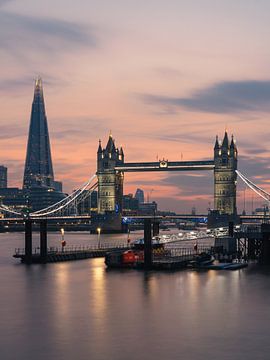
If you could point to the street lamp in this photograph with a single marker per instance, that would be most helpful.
(98, 234)
(128, 238)
(63, 243)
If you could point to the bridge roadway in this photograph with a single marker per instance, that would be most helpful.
(139, 217)
(164, 165)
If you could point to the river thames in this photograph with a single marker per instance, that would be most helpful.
(80, 310)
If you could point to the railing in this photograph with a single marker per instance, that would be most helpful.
(74, 248)
(157, 254)
(179, 252)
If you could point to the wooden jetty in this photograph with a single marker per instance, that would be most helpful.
(67, 254)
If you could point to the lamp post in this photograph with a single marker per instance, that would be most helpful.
(98, 235)
(63, 242)
(128, 238)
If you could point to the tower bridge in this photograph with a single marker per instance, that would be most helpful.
(111, 167)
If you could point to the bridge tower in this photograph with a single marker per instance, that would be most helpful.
(225, 159)
(110, 181)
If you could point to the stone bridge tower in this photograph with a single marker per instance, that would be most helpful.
(110, 181)
(225, 159)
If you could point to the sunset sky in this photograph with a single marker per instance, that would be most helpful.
(164, 76)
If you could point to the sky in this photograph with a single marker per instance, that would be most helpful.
(165, 76)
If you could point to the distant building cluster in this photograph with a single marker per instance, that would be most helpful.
(135, 205)
(3, 177)
(131, 205)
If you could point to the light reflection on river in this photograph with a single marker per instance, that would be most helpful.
(80, 310)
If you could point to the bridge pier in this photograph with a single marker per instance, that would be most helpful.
(148, 256)
(265, 249)
(155, 228)
(43, 240)
(28, 241)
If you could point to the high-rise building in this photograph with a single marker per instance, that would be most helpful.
(139, 195)
(130, 204)
(14, 198)
(3, 177)
(38, 169)
(38, 179)
(148, 208)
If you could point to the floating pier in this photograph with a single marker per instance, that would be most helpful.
(70, 253)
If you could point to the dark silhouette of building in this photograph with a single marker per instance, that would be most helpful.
(14, 198)
(139, 195)
(89, 204)
(3, 177)
(148, 208)
(58, 186)
(38, 181)
(130, 205)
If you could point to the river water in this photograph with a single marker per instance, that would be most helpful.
(80, 310)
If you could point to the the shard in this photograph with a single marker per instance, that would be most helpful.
(38, 171)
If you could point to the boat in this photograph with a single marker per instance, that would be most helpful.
(135, 255)
(236, 266)
(226, 266)
(202, 261)
(124, 258)
(158, 242)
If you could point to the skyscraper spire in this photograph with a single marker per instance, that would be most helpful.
(38, 171)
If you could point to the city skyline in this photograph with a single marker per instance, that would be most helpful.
(152, 94)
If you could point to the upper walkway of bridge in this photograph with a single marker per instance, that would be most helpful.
(164, 165)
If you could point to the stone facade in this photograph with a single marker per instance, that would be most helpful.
(225, 158)
(110, 181)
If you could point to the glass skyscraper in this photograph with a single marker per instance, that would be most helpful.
(38, 181)
(38, 171)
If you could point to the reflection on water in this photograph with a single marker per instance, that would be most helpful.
(80, 310)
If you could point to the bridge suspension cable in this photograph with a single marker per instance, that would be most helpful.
(8, 210)
(259, 191)
(77, 196)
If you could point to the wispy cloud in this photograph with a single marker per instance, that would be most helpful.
(11, 131)
(19, 84)
(20, 34)
(224, 97)
(2, 2)
(256, 168)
